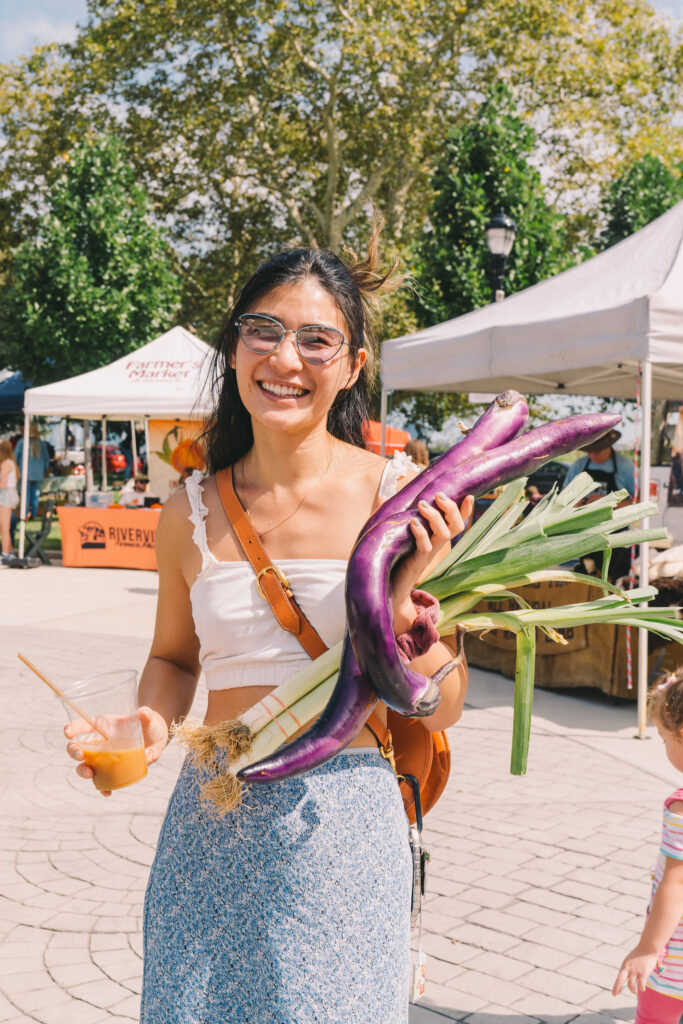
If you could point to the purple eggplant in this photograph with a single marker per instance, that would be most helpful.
(369, 607)
(345, 714)
(502, 421)
(368, 578)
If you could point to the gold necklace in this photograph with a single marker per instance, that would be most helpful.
(303, 501)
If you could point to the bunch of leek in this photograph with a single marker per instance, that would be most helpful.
(504, 549)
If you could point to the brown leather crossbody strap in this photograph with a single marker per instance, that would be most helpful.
(273, 587)
(271, 582)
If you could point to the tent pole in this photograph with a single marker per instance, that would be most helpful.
(146, 422)
(134, 448)
(23, 501)
(88, 458)
(383, 421)
(644, 559)
(103, 484)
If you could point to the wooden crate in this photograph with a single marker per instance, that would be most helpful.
(594, 655)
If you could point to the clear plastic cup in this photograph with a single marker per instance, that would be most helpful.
(111, 700)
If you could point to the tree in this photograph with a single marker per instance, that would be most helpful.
(485, 167)
(96, 282)
(645, 190)
(269, 122)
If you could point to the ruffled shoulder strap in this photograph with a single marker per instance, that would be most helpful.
(401, 465)
(198, 514)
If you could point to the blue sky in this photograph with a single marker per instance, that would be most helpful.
(27, 23)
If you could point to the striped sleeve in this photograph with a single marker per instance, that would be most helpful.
(672, 835)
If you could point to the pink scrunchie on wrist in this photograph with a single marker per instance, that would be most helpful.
(423, 633)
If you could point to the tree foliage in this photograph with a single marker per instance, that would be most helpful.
(643, 192)
(485, 167)
(256, 125)
(96, 281)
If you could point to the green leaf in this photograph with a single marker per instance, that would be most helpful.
(525, 668)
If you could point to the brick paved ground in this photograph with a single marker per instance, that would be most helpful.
(537, 885)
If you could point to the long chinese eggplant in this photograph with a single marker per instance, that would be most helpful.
(371, 664)
(368, 578)
(501, 422)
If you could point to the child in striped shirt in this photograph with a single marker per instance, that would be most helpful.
(654, 969)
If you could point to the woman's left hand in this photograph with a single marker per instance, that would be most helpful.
(443, 523)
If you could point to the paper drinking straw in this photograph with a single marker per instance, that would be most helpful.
(62, 696)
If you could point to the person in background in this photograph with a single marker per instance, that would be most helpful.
(38, 465)
(141, 446)
(677, 453)
(126, 446)
(653, 969)
(418, 453)
(9, 497)
(135, 486)
(611, 470)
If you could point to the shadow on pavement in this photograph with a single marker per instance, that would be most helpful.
(424, 1013)
(582, 708)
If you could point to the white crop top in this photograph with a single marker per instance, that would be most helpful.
(240, 642)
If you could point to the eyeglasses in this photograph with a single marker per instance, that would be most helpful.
(263, 334)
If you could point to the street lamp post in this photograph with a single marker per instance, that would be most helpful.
(500, 237)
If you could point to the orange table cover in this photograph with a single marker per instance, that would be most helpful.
(117, 538)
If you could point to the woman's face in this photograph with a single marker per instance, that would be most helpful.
(280, 390)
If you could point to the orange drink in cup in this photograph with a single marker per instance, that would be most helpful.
(111, 701)
(115, 769)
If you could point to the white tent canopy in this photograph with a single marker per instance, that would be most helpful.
(590, 331)
(163, 379)
(582, 332)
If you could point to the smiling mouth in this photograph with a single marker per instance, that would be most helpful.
(282, 390)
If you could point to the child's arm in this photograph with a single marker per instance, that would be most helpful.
(666, 912)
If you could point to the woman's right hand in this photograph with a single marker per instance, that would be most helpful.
(155, 735)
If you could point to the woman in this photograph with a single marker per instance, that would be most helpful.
(295, 908)
(9, 498)
(38, 465)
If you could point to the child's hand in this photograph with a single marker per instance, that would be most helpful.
(635, 970)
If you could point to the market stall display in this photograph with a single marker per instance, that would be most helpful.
(165, 379)
(118, 538)
(612, 326)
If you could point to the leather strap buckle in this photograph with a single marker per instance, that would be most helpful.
(280, 575)
(387, 752)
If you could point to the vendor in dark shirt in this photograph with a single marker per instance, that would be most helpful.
(612, 471)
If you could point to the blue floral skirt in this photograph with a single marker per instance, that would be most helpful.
(293, 909)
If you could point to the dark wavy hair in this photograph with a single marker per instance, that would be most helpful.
(228, 434)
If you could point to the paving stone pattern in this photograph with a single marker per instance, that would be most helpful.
(537, 885)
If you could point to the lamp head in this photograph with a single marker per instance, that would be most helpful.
(500, 234)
